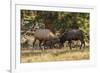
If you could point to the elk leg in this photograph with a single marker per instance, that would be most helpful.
(69, 42)
(40, 44)
(34, 42)
(82, 42)
(61, 45)
(46, 44)
(81, 45)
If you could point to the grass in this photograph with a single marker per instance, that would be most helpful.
(64, 54)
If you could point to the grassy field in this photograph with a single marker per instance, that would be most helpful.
(64, 54)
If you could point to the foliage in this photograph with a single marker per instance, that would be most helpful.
(55, 20)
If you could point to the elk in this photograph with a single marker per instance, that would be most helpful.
(70, 35)
(44, 35)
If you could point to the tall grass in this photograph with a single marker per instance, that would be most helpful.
(64, 54)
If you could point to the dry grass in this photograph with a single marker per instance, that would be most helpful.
(64, 54)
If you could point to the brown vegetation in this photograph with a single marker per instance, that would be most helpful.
(65, 54)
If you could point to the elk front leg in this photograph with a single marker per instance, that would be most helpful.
(34, 42)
